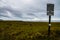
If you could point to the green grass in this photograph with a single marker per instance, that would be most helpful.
(18, 30)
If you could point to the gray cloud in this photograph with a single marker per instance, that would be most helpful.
(22, 10)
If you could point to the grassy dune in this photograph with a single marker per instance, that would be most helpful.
(18, 30)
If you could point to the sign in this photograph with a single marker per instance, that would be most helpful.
(50, 9)
(50, 12)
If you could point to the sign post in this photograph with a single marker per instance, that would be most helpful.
(50, 12)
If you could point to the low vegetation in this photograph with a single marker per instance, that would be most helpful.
(19, 30)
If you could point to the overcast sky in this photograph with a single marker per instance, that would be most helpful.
(28, 10)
